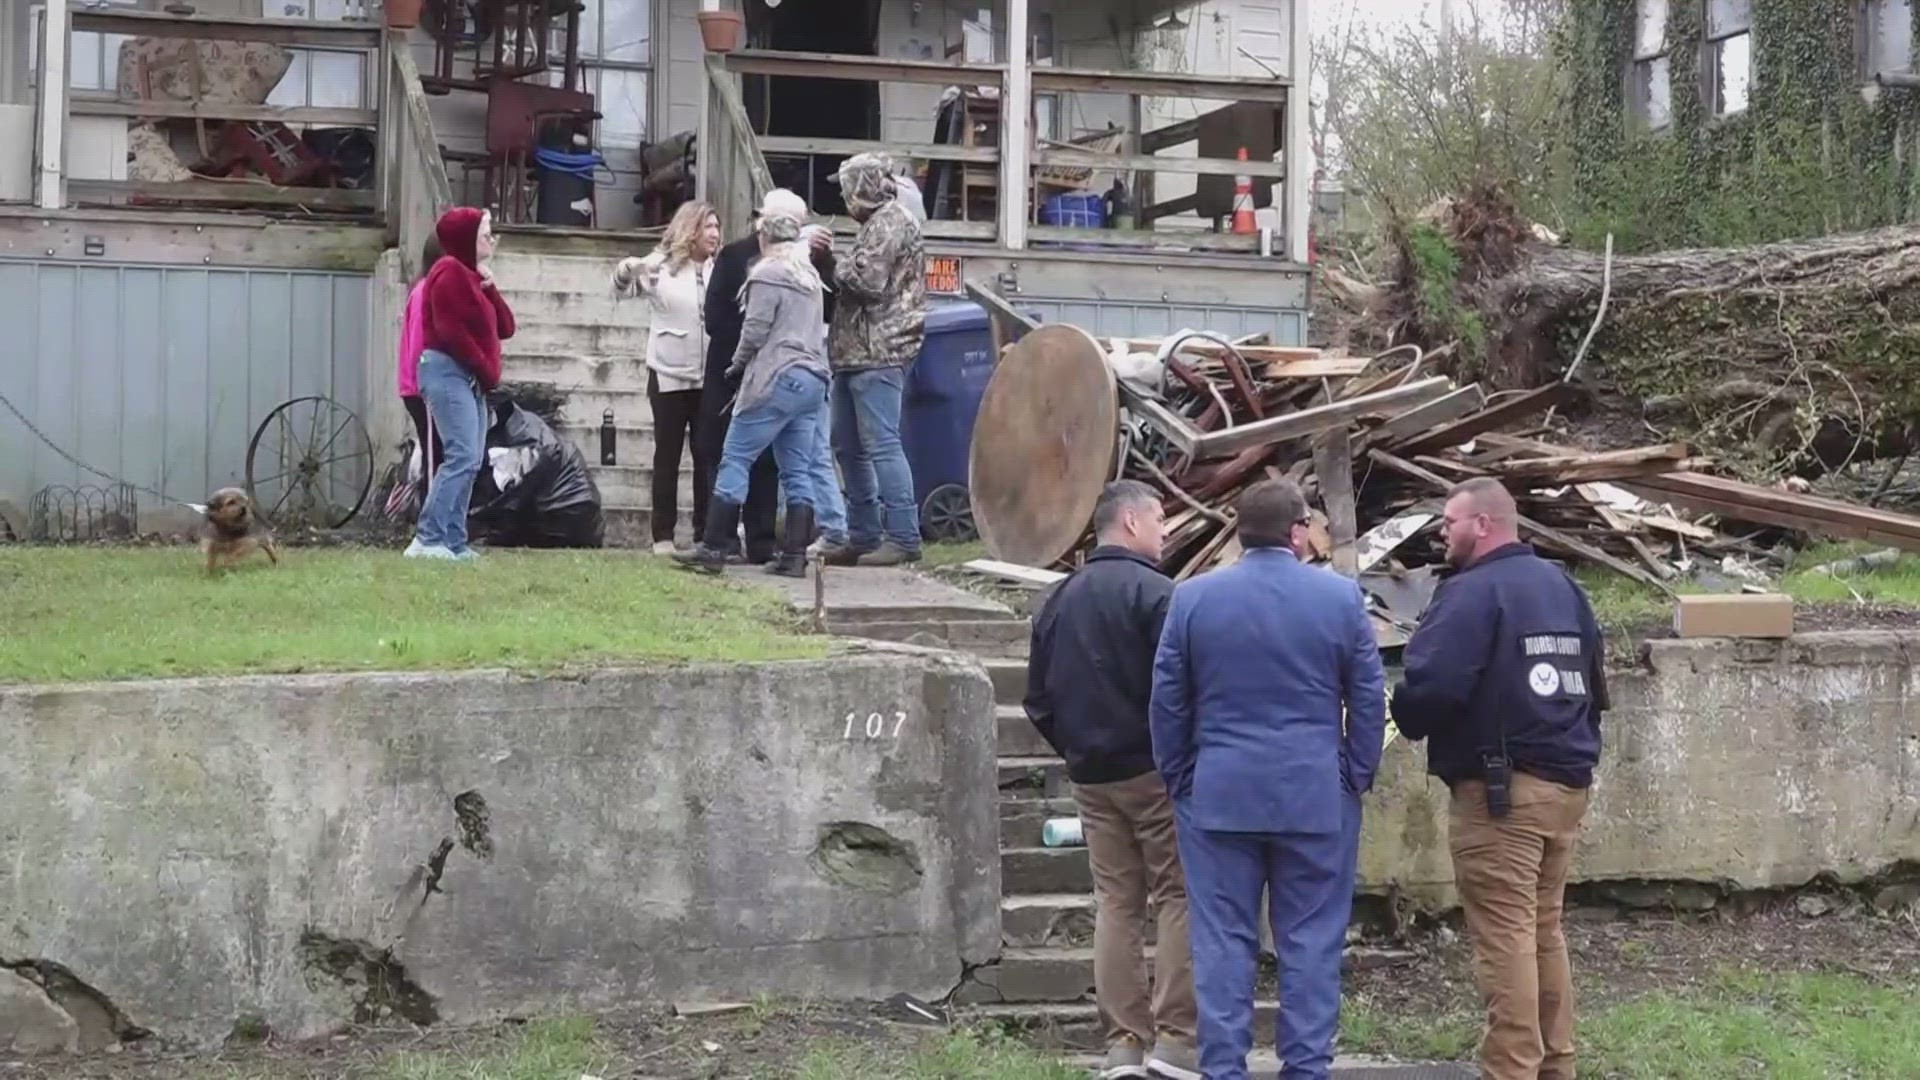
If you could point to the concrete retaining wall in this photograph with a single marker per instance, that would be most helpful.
(182, 856)
(1746, 765)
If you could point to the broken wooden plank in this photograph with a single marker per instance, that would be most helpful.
(1014, 572)
(1784, 509)
(1313, 421)
(1333, 467)
(1381, 540)
(1205, 558)
(1407, 468)
(1464, 431)
(1572, 546)
(1587, 468)
(1443, 410)
(1399, 376)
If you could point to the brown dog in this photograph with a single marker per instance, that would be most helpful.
(233, 532)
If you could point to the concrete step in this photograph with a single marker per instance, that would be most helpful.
(620, 339)
(627, 526)
(1009, 680)
(936, 603)
(632, 445)
(526, 276)
(978, 636)
(576, 307)
(1029, 871)
(632, 485)
(569, 370)
(585, 405)
(1077, 1024)
(1021, 819)
(1015, 735)
(1034, 975)
(1047, 919)
(1038, 776)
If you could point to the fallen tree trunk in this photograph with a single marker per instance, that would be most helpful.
(1794, 356)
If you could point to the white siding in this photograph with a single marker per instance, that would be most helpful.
(1236, 37)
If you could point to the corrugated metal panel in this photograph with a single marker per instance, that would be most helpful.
(159, 375)
(1109, 319)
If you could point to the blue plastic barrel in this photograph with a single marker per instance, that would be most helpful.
(1075, 210)
(943, 393)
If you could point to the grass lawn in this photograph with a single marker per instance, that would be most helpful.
(565, 1049)
(115, 613)
(1731, 1027)
(1622, 603)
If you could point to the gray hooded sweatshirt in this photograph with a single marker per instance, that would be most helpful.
(784, 328)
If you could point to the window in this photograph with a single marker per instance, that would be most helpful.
(1886, 45)
(93, 58)
(1046, 117)
(616, 55)
(1729, 55)
(324, 78)
(1650, 78)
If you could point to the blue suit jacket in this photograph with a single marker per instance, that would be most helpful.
(1255, 665)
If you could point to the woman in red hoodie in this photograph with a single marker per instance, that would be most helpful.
(463, 320)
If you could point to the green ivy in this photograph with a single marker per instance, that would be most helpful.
(1808, 156)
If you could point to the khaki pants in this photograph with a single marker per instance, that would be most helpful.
(1136, 867)
(1512, 877)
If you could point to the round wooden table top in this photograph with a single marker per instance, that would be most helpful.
(1044, 445)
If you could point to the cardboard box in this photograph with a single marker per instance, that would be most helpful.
(1740, 615)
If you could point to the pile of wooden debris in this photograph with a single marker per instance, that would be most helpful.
(1376, 442)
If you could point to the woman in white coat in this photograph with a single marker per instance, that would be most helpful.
(673, 280)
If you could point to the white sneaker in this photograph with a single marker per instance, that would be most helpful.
(664, 548)
(418, 550)
(466, 555)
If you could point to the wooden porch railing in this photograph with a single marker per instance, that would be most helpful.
(1137, 160)
(414, 188)
(731, 160)
(61, 103)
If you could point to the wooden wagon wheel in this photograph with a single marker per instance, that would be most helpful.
(310, 464)
(1044, 445)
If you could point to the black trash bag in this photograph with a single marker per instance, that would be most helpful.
(554, 504)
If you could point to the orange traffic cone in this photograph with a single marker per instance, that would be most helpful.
(1243, 222)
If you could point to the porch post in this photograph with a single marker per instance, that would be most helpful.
(1016, 111)
(50, 193)
(1300, 164)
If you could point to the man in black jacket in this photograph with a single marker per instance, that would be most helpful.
(1089, 678)
(723, 319)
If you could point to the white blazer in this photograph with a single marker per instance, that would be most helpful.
(677, 334)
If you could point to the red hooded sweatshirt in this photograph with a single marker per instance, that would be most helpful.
(464, 315)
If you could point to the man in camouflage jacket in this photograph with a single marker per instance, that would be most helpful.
(879, 321)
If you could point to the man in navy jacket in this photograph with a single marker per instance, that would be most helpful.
(1268, 719)
(1506, 679)
(1089, 675)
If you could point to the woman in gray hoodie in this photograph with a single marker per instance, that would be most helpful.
(782, 366)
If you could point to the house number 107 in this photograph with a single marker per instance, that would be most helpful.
(876, 725)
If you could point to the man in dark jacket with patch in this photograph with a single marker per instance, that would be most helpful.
(1506, 679)
(1089, 682)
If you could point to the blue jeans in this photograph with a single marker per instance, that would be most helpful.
(829, 508)
(459, 413)
(866, 431)
(784, 421)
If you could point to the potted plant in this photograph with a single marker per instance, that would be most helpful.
(403, 14)
(720, 30)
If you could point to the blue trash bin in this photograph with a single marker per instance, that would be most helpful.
(942, 397)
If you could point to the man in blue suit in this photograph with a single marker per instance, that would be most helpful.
(1256, 665)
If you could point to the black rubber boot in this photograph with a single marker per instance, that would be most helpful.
(793, 546)
(709, 555)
